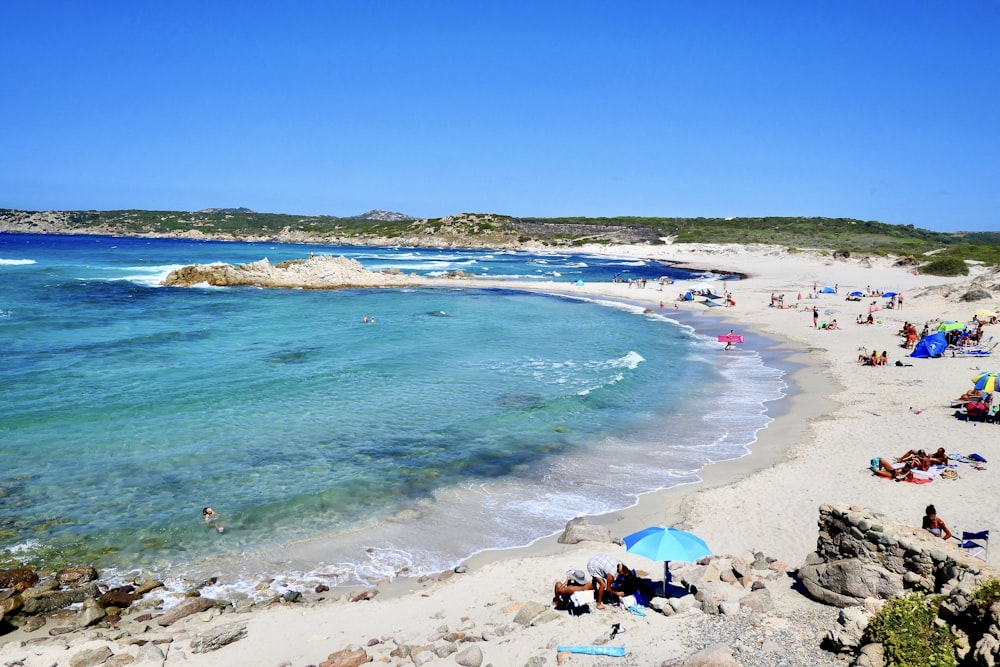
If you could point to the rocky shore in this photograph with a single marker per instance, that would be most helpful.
(723, 610)
(315, 272)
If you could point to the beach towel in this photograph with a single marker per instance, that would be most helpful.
(927, 474)
(614, 651)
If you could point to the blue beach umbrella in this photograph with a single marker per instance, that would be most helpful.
(666, 544)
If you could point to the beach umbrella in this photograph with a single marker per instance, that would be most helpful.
(950, 326)
(666, 544)
(888, 295)
(982, 312)
(856, 293)
(985, 381)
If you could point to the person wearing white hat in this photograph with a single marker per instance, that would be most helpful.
(576, 580)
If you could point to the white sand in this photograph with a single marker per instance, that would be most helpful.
(816, 451)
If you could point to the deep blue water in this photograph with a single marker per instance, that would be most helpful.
(465, 419)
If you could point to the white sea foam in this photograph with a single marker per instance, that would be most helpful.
(16, 262)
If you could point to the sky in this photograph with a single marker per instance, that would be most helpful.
(884, 110)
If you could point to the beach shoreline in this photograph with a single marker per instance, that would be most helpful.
(814, 451)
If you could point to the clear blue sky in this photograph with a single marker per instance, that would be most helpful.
(874, 110)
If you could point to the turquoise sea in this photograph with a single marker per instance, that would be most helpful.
(465, 419)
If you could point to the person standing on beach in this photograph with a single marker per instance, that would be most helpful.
(815, 317)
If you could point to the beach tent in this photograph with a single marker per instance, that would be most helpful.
(828, 290)
(579, 283)
(933, 345)
(889, 295)
(689, 296)
(856, 293)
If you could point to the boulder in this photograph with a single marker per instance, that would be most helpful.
(91, 613)
(848, 582)
(579, 530)
(470, 656)
(91, 657)
(23, 577)
(716, 655)
(76, 575)
(44, 601)
(527, 613)
(214, 639)
(184, 609)
(121, 597)
(352, 656)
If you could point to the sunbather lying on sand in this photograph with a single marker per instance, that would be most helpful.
(883, 468)
(940, 457)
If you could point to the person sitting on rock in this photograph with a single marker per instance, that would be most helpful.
(934, 525)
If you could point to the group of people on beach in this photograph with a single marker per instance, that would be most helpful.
(901, 468)
(609, 578)
(873, 359)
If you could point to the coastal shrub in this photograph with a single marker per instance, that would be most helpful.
(911, 634)
(987, 593)
(946, 266)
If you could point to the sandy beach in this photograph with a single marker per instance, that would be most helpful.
(841, 415)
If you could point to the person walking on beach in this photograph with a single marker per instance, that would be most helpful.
(815, 317)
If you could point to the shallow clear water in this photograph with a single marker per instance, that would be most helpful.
(463, 420)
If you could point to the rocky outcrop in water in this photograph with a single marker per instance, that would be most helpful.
(315, 272)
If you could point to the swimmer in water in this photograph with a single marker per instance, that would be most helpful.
(210, 517)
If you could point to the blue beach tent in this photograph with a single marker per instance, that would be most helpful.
(828, 290)
(932, 345)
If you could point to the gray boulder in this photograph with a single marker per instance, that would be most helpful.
(579, 530)
(847, 582)
(470, 656)
(216, 638)
(716, 655)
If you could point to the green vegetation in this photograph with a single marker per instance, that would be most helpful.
(911, 635)
(987, 593)
(946, 266)
(937, 253)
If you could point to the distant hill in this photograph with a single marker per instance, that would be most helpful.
(241, 209)
(385, 216)
(940, 253)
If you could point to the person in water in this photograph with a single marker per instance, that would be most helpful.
(211, 518)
